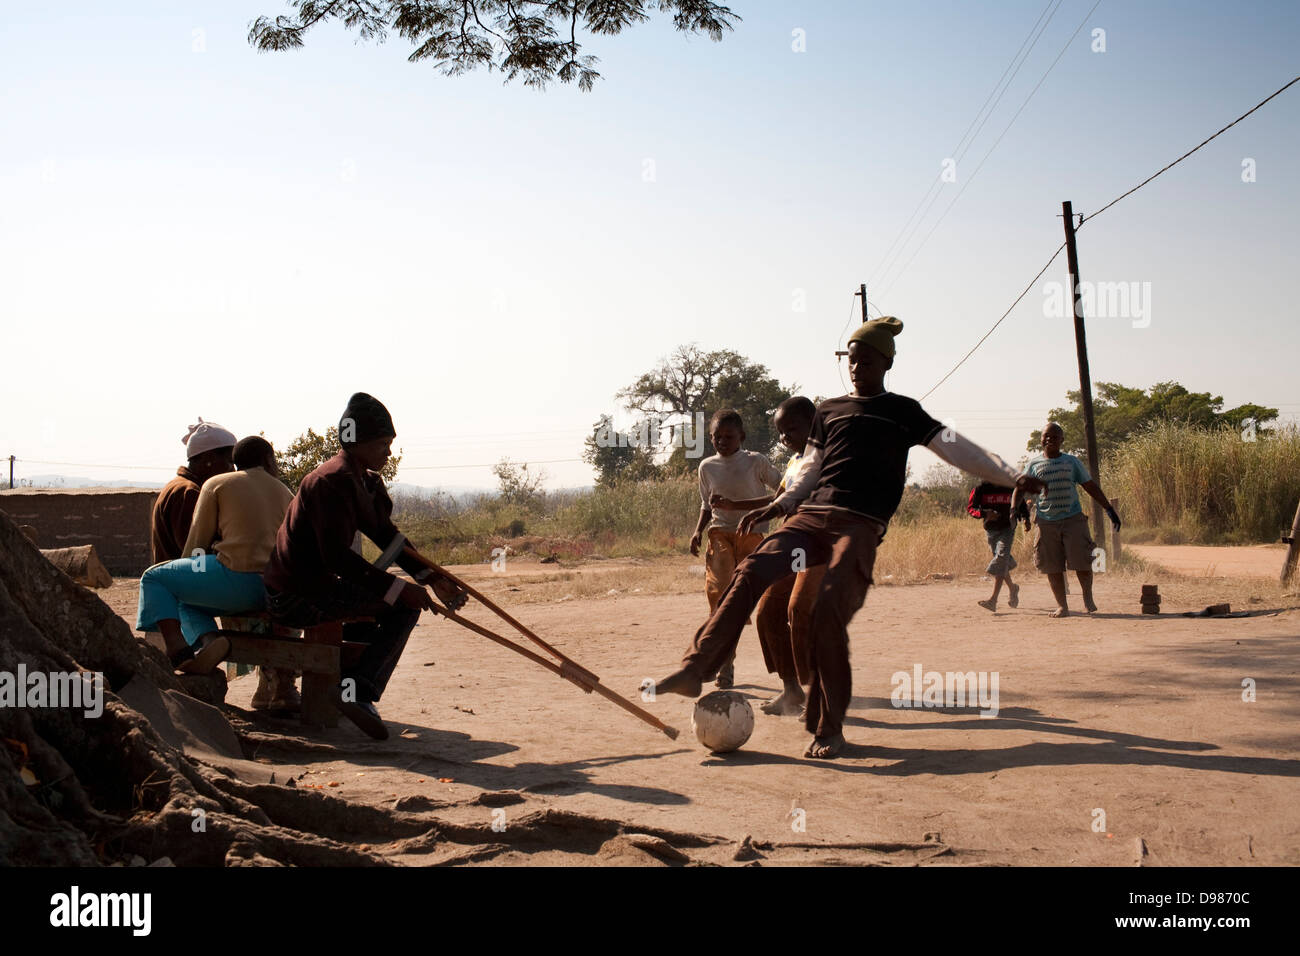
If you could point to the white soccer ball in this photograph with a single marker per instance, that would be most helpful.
(723, 721)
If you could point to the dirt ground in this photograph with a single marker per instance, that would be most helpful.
(1119, 738)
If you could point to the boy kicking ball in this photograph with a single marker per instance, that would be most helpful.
(847, 489)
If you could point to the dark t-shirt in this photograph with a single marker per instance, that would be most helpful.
(864, 444)
(993, 502)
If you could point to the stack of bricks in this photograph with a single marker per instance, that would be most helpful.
(1150, 599)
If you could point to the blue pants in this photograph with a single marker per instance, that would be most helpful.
(193, 590)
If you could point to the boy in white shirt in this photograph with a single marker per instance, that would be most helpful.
(732, 475)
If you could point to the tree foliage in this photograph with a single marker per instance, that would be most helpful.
(309, 450)
(691, 384)
(1121, 412)
(519, 486)
(537, 40)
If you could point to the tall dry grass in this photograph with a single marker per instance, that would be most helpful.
(1181, 484)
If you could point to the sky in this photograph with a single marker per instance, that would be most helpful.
(191, 228)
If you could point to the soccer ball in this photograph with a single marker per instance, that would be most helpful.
(723, 721)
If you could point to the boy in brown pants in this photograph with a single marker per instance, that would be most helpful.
(847, 489)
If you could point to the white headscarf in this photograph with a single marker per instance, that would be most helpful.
(206, 436)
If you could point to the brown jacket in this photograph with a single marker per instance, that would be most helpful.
(314, 545)
(169, 525)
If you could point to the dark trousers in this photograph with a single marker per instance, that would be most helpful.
(385, 637)
(846, 544)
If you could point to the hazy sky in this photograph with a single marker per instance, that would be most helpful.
(189, 228)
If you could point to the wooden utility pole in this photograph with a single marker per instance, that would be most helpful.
(11, 471)
(1085, 378)
(862, 291)
(1292, 551)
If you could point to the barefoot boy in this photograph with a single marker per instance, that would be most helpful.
(1063, 540)
(993, 503)
(784, 612)
(314, 574)
(732, 475)
(847, 489)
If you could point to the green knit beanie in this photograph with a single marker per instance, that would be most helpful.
(879, 334)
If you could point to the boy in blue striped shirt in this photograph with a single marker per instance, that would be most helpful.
(1063, 540)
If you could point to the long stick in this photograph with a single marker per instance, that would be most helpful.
(567, 668)
(410, 552)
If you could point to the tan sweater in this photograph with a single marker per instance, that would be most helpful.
(237, 517)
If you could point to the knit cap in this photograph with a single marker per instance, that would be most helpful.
(365, 418)
(879, 334)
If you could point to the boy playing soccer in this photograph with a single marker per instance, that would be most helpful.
(1063, 540)
(993, 503)
(729, 476)
(848, 487)
(784, 612)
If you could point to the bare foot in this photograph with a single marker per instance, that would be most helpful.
(1089, 604)
(1060, 612)
(825, 748)
(679, 682)
(788, 703)
(726, 677)
(1014, 599)
(988, 605)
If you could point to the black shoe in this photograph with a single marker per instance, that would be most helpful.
(362, 713)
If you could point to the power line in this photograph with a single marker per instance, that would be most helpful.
(960, 150)
(1045, 267)
(1188, 153)
(1099, 212)
(899, 274)
(84, 464)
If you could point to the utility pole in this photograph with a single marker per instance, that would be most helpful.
(11, 472)
(1085, 378)
(862, 291)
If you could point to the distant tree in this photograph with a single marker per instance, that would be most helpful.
(1121, 411)
(518, 485)
(310, 450)
(619, 456)
(533, 39)
(692, 382)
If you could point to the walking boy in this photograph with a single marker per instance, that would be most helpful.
(847, 489)
(730, 476)
(993, 503)
(1063, 540)
(314, 574)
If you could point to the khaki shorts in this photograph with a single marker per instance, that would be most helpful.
(1063, 544)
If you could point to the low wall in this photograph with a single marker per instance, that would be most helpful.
(114, 520)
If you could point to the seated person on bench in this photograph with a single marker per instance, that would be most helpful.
(220, 570)
(314, 574)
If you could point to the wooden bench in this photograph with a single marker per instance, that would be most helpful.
(319, 653)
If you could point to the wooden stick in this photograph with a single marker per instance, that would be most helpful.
(410, 552)
(569, 669)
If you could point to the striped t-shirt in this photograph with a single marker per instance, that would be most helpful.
(1062, 473)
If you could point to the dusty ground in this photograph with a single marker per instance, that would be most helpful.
(1141, 719)
(1258, 561)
